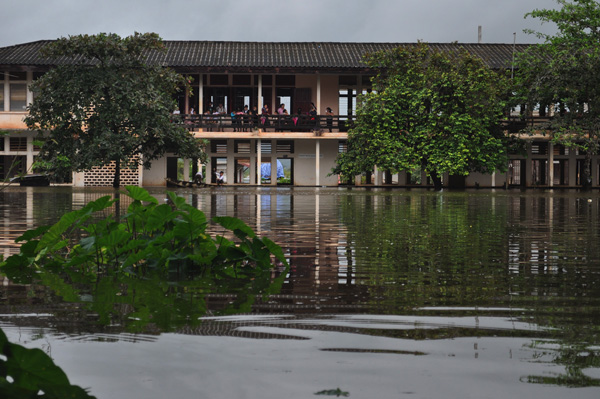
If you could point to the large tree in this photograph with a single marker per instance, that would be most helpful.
(105, 102)
(561, 75)
(429, 110)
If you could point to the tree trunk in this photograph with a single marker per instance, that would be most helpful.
(117, 179)
(437, 182)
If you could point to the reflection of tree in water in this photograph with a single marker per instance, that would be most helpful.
(533, 255)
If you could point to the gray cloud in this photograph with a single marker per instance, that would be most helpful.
(268, 20)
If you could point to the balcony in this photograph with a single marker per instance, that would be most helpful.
(267, 126)
(12, 120)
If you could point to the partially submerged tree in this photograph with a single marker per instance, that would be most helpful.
(561, 75)
(429, 110)
(105, 102)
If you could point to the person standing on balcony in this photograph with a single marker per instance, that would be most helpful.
(265, 113)
(329, 116)
(313, 114)
(254, 116)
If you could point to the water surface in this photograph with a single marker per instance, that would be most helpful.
(399, 293)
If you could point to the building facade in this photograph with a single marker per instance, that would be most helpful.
(295, 149)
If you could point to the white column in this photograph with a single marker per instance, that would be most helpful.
(550, 164)
(6, 92)
(29, 93)
(201, 95)
(259, 161)
(317, 162)
(29, 157)
(186, 169)
(273, 168)
(260, 101)
(319, 94)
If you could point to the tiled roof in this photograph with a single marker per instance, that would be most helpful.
(265, 55)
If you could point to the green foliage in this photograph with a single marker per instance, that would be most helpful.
(105, 102)
(164, 238)
(24, 373)
(429, 109)
(562, 74)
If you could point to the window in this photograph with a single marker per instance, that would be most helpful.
(345, 80)
(18, 97)
(285, 147)
(241, 80)
(285, 80)
(1, 96)
(218, 146)
(347, 102)
(18, 144)
(242, 147)
(17, 75)
(265, 146)
(219, 80)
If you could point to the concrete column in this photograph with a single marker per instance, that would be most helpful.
(550, 164)
(186, 107)
(273, 167)
(319, 94)
(252, 164)
(317, 162)
(378, 177)
(6, 92)
(273, 107)
(260, 101)
(230, 174)
(259, 161)
(572, 167)
(209, 170)
(201, 95)
(29, 160)
(29, 93)
(528, 166)
(358, 180)
(186, 169)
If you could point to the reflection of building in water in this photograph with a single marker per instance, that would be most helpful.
(556, 237)
(321, 271)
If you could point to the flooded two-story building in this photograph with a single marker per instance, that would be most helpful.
(236, 91)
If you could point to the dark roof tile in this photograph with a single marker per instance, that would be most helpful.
(309, 55)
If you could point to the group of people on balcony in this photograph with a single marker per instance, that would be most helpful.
(245, 119)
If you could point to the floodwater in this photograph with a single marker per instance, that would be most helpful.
(389, 294)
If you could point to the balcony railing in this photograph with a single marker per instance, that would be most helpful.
(277, 123)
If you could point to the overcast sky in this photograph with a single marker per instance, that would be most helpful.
(267, 20)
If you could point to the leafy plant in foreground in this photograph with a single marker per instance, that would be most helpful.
(30, 373)
(168, 238)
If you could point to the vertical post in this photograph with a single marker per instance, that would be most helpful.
(550, 164)
(201, 95)
(317, 162)
(259, 161)
(319, 94)
(29, 93)
(6, 92)
(260, 95)
(252, 162)
(186, 169)
(186, 107)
